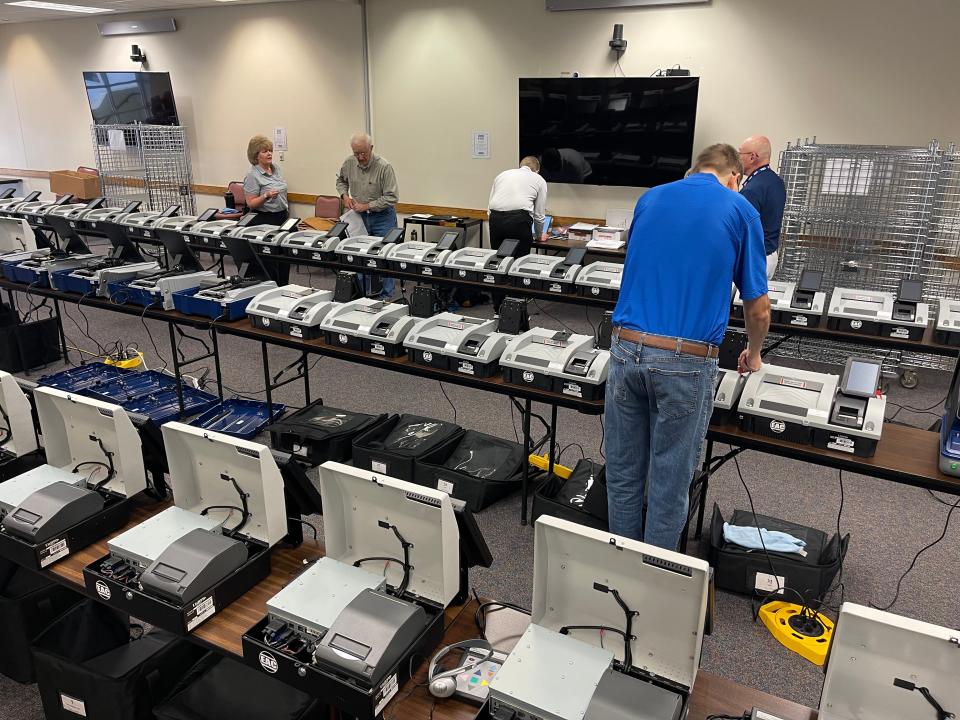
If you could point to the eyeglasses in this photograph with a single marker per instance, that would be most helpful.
(742, 153)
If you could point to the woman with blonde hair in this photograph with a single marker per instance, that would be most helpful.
(266, 194)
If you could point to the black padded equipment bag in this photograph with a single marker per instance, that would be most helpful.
(577, 498)
(318, 433)
(393, 447)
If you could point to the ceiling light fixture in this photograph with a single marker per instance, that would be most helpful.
(59, 7)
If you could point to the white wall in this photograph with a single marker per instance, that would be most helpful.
(236, 71)
(847, 71)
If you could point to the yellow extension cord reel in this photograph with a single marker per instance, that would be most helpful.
(128, 360)
(799, 629)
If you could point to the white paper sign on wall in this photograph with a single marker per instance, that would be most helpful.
(481, 144)
(279, 139)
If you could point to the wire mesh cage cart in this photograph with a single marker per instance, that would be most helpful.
(869, 216)
(150, 163)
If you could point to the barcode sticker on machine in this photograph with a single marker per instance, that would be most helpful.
(386, 693)
(445, 486)
(77, 707)
(378, 467)
(765, 582)
(53, 551)
(841, 443)
(201, 610)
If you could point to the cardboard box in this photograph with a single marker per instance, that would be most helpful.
(82, 186)
(318, 223)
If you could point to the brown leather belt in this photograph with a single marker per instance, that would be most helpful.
(661, 342)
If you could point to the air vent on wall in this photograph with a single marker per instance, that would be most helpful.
(137, 27)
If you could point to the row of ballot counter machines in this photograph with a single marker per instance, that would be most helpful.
(349, 627)
(901, 315)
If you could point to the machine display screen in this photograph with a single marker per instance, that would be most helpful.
(129, 97)
(910, 291)
(810, 280)
(860, 378)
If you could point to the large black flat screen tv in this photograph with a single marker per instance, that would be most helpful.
(609, 131)
(119, 98)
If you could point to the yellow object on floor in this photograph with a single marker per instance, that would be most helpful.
(543, 463)
(127, 364)
(798, 632)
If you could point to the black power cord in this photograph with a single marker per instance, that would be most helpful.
(626, 634)
(108, 465)
(405, 563)
(942, 714)
(7, 429)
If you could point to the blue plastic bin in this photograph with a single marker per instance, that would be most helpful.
(81, 379)
(84, 286)
(132, 386)
(240, 418)
(162, 406)
(186, 302)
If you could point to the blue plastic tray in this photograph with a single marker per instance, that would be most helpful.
(10, 269)
(240, 418)
(84, 286)
(80, 379)
(31, 276)
(186, 302)
(163, 407)
(133, 386)
(121, 293)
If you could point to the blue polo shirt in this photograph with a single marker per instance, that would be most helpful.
(689, 240)
(765, 191)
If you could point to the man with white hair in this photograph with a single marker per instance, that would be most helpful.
(367, 185)
(764, 189)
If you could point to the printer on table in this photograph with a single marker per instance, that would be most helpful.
(73, 212)
(94, 465)
(123, 263)
(34, 212)
(844, 414)
(800, 303)
(486, 265)
(652, 603)
(314, 244)
(178, 568)
(369, 325)
(368, 251)
(183, 271)
(875, 312)
(887, 667)
(422, 257)
(450, 341)
(348, 626)
(600, 280)
(553, 273)
(265, 239)
(947, 330)
(557, 361)
(292, 309)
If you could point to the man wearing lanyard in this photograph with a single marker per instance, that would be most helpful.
(764, 189)
(689, 240)
(367, 184)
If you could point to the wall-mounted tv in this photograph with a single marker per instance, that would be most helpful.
(120, 98)
(609, 131)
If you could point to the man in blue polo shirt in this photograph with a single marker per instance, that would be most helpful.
(689, 240)
(764, 189)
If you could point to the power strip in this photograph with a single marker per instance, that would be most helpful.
(758, 714)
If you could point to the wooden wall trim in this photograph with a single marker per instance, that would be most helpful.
(310, 199)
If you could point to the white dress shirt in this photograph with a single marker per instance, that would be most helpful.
(520, 189)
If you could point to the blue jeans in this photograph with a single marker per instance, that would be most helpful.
(380, 223)
(658, 405)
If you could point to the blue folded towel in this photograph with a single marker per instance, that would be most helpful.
(773, 540)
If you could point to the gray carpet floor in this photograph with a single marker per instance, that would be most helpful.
(888, 523)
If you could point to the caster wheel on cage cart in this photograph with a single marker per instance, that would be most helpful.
(909, 379)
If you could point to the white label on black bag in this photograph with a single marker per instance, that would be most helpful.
(201, 610)
(378, 467)
(445, 486)
(765, 582)
(53, 551)
(77, 707)
(386, 693)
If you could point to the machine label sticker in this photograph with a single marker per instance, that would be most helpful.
(386, 693)
(265, 321)
(799, 320)
(427, 356)
(527, 376)
(841, 443)
(378, 349)
(526, 281)
(462, 273)
(318, 256)
(856, 324)
(765, 582)
(572, 388)
(371, 263)
(72, 224)
(378, 467)
(793, 382)
(201, 610)
(146, 233)
(490, 279)
(445, 486)
(103, 590)
(70, 704)
(595, 290)
(268, 662)
(342, 339)
(53, 551)
(778, 426)
(466, 367)
(900, 332)
(266, 250)
(555, 287)
(428, 271)
(296, 331)
(453, 325)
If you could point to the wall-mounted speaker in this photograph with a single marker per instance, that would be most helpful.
(138, 27)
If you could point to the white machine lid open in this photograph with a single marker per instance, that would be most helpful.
(356, 506)
(871, 649)
(204, 466)
(667, 590)
(17, 417)
(16, 235)
(73, 429)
